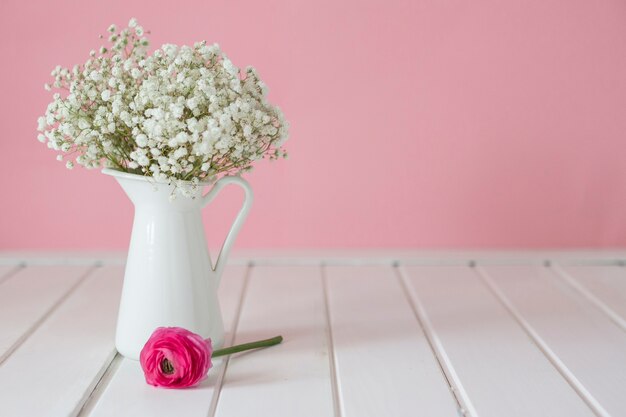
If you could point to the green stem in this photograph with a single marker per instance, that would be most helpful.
(247, 346)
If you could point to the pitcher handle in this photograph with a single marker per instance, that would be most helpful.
(241, 217)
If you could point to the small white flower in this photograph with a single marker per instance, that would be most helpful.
(180, 152)
(41, 123)
(229, 67)
(69, 165)
(141, 140)
(106, 95)
(182, 138)
(143, 161)
(192, 103)
(92, 94)
(177, 110)
(95, 75)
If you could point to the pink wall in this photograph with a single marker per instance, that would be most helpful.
(414, 123)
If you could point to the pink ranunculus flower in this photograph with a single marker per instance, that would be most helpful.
(175, 358)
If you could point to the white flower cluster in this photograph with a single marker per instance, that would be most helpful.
(179, 114)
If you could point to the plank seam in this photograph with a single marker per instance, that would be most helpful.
(580, 288)
(463, 401)
(102, 379)
(552, 357)
(33, 328)
(222, 375)
(12, 272)
(332, 358)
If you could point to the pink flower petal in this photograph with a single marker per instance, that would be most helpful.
(188, 354)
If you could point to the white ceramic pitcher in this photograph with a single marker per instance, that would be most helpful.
(169, 279)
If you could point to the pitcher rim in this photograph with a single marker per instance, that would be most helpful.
(127, 175)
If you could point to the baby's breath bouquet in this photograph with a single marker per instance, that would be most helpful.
(179, 114)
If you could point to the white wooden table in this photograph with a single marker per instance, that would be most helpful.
(379, 334)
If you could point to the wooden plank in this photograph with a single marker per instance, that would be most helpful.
(291, 379)
(582, 342)
(310, 257)
(496, 369)
(384, 362)
(57, 258)
(605, 286)
(28, 296)
(53, 372)
(127, 393)
(356, 257)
